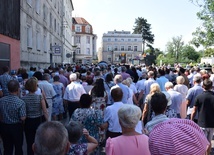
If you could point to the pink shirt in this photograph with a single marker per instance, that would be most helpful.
(128, 145)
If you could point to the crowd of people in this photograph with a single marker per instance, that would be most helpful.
(122, 109)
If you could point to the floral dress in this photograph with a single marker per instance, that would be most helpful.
(58, 101)
(78, 149)
(91, 119)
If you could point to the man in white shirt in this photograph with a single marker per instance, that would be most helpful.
(73, 93)
(111, 116)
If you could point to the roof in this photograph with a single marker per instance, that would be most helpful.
(80, 20)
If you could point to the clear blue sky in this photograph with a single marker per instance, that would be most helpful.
(168, 18)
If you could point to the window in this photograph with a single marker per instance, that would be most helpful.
(88, 40)
(38, 6)
(109, 48)
(129, 48)
(122, 48)
(55, 24)
(44, 12)
(78, 51)
(29, 37)
(115, 39)
(135, 39)
(50, 20)
(122, 39)
(29, 2)
(38, 39)
(45, 44)
(88, 50)
(87, 29)
(78, 28)
(129, 39)
(109, 58)
(115, 48)
(135, 48)
(109, 39)
(77, 39)
(58, 29)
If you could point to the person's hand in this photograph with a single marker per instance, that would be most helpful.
(85, 132)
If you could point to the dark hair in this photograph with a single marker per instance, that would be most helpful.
(56, 78)
(13, 86)
(75, 131)
(117, 94)
(89, 81)
(24, 75)
(98, 89)
(109, 77)
(207, 84)
(38, 75)
(5, 69)
(158, 103)
(161, 72)
(85, 101)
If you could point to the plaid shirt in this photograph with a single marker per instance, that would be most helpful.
(4, 79)
(12, 109)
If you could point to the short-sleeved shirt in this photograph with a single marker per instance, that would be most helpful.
(111, 116)
(192, 93)
(12, 109)
(4, 79)
(205, 104)
(33, 105)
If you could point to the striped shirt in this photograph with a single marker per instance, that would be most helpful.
(12, 109)
(4, 79)
(33, 105)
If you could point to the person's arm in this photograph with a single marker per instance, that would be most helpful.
(44, 109)
(193, 113)
(145, 110)
(187, 102)
(135, 100)
(104, 125)
(92, 142)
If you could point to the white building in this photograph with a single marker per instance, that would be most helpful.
(84, 41)
(67, 33)
(120, 47)
(44, 24)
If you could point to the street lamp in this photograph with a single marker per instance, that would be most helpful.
(112, 52)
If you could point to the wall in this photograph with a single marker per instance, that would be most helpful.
(14, 50)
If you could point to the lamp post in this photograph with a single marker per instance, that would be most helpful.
(112, 53)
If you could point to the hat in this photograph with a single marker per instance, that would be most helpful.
(177, 136)
(168, 97)
(13, 72)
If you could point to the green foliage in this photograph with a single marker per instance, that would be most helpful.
(209, 52)
(174, 48)
(143, 27)
(189, 53)
(204, 35)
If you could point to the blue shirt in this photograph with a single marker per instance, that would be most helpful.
(161, 81)
(125, 91)
(147, 84)
(176, 98)
(12, 109)
(192, 93)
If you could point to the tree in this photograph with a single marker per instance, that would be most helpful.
(209, 52)
(174, 48)
(189, 53)
(204, 35)
(143, 27)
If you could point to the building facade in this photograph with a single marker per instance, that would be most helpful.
(120, 47)
(84, 41)
(10, 34)
(67, 33)
(45, 32)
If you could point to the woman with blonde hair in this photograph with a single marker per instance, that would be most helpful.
(147, 110)
(183, 89)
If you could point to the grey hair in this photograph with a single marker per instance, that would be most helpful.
(129, 115)
(118, 79)
(73, 77)
(46, 76)
(180, 80)
(51, 138)
(169, 85)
